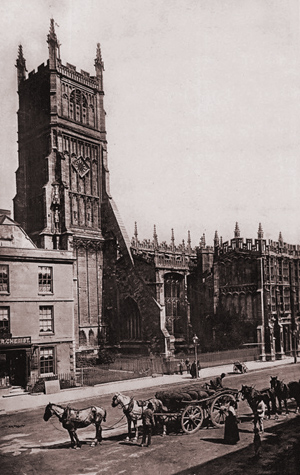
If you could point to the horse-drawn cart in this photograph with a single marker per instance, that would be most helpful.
(196, 404)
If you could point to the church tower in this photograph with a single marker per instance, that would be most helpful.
(62, 177)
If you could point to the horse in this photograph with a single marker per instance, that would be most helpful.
(73, 419)
(294, 392)
(134, 409)
(281, 392)
(253, 397)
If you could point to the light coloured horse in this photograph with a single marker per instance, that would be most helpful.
(73, 419)
(134, 409)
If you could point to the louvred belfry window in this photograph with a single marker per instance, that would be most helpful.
(78, 106)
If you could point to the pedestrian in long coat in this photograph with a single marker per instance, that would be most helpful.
(194, 370)
(231, 431)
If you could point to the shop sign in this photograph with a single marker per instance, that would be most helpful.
(26, 340)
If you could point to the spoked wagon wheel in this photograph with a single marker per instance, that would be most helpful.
(192, 419)
(218, 409)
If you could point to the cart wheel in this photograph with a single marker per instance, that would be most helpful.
(192, 419)
(219, 408)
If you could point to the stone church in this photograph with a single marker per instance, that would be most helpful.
(138, 296)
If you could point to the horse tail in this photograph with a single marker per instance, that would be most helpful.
(104, 415)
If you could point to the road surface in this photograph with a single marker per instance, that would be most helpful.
(29, 445)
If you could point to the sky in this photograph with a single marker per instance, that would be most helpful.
(202, 100)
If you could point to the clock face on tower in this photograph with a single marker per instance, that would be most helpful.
(80, 166)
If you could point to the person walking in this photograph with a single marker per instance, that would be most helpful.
(259, 414)
(231, 430)
(148, 423)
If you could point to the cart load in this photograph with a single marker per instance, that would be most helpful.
(175, 398)
(196, 403)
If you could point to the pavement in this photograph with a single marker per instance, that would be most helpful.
(27, 401)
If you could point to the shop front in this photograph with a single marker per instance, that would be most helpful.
(15, 357)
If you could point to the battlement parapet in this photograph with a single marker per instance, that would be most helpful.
(260, 246)
(40, 68)
(163, 247)
(179, 261)
(83, 77)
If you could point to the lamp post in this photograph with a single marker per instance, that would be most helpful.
(195, 341)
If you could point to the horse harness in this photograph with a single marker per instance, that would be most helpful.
(128, 408)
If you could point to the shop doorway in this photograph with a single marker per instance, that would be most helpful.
(16, 367)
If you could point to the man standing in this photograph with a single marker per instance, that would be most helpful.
(148, 423)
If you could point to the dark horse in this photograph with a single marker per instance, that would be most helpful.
(253, 397)
(73, 419)
(285, 391)
(133, 411)
(294, 392)
(281, 391)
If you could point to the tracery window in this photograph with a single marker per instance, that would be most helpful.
(78, 106)
(174, 301)
(91, 116)
(65, 105)
(131, 320)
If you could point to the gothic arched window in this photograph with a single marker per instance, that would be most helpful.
(91, 116)
(131, 320)
(174, 301)
(82, 338)
(91, 338)
(78, 106)
(65, 105)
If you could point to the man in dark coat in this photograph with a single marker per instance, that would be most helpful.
(148, 423)
(194, 370)
(217, 383)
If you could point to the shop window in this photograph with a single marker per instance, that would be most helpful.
(4, 287)
(46, 319)
(45, 279)
(4, 322)
(46, 361)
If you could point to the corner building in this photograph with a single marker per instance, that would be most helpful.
(36, 308)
